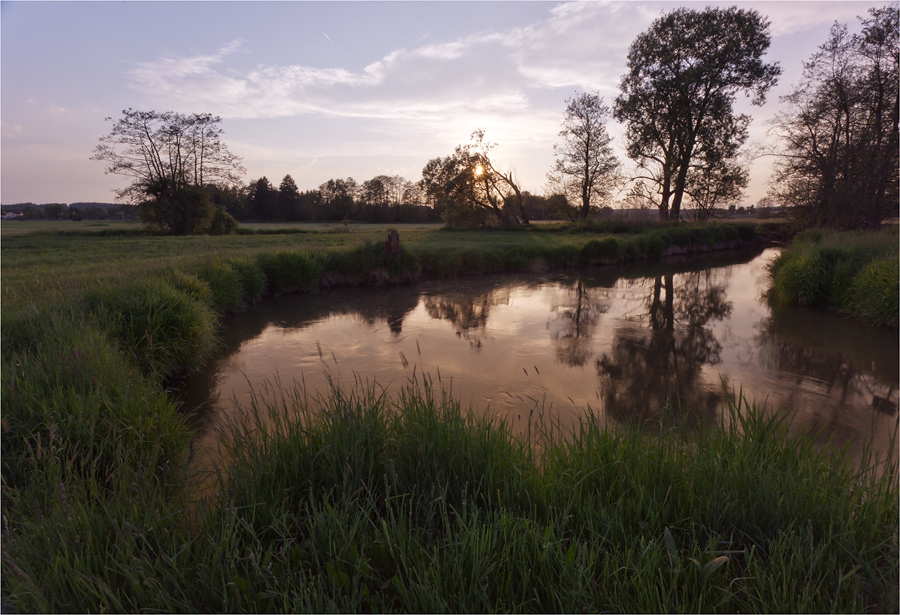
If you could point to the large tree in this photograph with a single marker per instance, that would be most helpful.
(262, 199)
(586, 168)
(839, 162)
(338, 198)
(678, 94)
(170, 158)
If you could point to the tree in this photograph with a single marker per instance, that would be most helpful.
(839, 162)
(262, 199)
(469, 188)
(170, 157)
(338, 198)
(586, 168)
(374, 192)
(289, 201)
(678, 94)
(56, 211)
(711, 186)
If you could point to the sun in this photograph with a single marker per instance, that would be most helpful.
(479, 170)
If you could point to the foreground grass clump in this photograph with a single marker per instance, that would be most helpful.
(408, 504)
(854, 272)
(360, 501)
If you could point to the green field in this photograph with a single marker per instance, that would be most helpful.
(358, 502)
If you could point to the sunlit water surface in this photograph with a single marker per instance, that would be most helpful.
(630, 343)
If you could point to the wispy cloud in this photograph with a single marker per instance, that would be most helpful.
(513, 81)
(484, 73)
(580, 45)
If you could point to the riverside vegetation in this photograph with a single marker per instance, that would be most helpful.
(349, 500)
(853, 272)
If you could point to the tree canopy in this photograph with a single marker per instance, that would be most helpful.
(170, 158)
(678, 94)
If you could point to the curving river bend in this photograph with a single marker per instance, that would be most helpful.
(625, 341)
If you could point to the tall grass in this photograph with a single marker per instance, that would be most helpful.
(356, 501)
(854, 272)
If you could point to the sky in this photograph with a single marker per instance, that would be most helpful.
(322, 90)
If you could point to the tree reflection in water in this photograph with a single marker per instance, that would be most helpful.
(849, 363)
(577, 317)
(649, 373)
(467, 313)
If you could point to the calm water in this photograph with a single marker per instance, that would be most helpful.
(625, 341)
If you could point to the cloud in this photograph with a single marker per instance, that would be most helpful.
(791, 17)
(512, 82)
(10, 130)
(486, 73)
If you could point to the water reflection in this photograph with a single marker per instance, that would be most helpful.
(648, 372)
(635, 344)
(577, 312)
(467, 313)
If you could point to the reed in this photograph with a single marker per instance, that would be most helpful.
(357, 501)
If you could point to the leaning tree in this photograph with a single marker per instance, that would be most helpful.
(678, 94)
(171, 158)
(470, 189)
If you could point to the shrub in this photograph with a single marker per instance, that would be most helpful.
(252, 277)
(601, 250)
(222, 223)
(803, 280)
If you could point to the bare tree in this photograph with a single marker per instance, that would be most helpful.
(586, 168)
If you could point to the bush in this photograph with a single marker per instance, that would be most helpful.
(252, 277)
(222, 223)
(601, 250)
(802, 280)
(225, 285)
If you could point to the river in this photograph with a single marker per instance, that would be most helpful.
(636, 344)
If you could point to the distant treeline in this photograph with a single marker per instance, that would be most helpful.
(381, 199)
(72, 211)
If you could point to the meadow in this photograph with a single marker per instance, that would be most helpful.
(349, 500)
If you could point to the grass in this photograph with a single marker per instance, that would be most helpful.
(852, 272)
(360, 502)
(354, 501)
